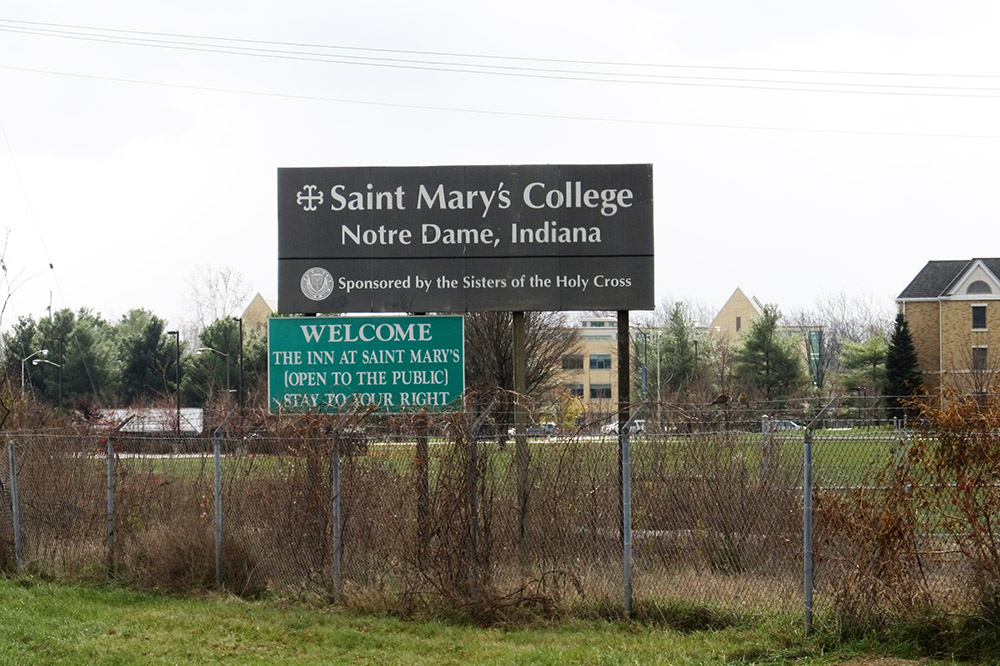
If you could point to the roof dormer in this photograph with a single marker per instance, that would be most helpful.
(977, 282)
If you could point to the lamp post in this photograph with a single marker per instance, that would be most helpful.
(43, 352)
(39, 361)
(645, 356)
(177, 376)
(659, 334)
(239, 386)
(62, 360)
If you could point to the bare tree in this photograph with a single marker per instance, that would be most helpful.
(489, 350)
(700, 314)
(214, 292)
(10, 281)
(845, 319)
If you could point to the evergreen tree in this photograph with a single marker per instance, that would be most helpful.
(677, 351)
(768, 362)
(902, 371)
(147, 358)
(20, 342)
(213, 370)
(81, 349)
(864, 362)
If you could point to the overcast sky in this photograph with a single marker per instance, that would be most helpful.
(798, 149)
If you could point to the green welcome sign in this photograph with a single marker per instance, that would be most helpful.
(396, 363)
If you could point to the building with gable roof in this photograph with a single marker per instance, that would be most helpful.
(952, 309)
(258, 312)
(736, 316)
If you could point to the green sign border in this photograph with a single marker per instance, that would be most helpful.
(398, 363)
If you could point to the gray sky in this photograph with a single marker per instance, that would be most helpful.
(799, 149)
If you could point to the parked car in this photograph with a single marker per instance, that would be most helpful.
(779, 425)
(547, 428)
(536, 430)
(639, 425)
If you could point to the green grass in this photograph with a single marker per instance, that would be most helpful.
(47, 623)
(839, 457)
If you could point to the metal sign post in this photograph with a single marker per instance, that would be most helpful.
(624, 453)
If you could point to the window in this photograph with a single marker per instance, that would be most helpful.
(600, 391)
(979, 359)
(576, 390)
(572, 362)
(600, 362)
(979, 317)
(739, 323)
(978, 287)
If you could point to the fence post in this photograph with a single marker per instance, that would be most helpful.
(807, 513)
(522, 454)
(217, 451)
(15, 509)
(807, 525)
(472, 482)
(423, 486)
(626, 450)
(338, 543)
(110, 530)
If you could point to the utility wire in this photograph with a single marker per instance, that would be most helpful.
(643, 78)
(12, 284)
(488, 112)
(493, 56)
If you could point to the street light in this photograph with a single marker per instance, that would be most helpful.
(43, 352)
(177, 376)
(39, 361)
(200, 350)
(645, 356)
(239, 386)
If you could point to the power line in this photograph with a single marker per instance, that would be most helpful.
(488, 112)
(643, 78)
(607, 63)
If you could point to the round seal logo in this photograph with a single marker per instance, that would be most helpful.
(317, 283)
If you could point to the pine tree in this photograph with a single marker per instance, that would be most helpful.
(677, 352)
(768, 362)
(902, 371)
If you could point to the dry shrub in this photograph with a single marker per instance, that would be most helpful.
(7, 560)
(180, 556)
(923, 524)
(465, 555)
(868, 549)
(61, 489)
(954, 466)
(721, 503)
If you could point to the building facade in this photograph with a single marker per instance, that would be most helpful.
(952, 309)
(591, 373)
(258, 312)
(735, 317)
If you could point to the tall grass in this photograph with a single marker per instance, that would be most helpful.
(47, 623)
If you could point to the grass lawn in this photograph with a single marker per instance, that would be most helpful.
(47, 623)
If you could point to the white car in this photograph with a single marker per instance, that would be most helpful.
(639, 425)
(548, 428)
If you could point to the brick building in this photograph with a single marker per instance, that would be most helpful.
(952, 309)
(590, 374)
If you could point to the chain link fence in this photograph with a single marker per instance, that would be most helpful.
(456, 512)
